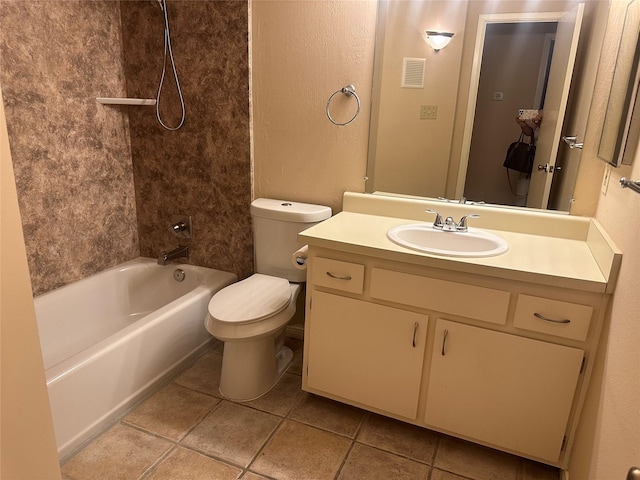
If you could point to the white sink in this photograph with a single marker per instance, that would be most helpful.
(424, 238)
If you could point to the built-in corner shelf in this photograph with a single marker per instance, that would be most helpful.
(126, 101)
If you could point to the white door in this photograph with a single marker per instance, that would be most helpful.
(564, 55)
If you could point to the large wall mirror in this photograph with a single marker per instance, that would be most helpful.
(499, 61)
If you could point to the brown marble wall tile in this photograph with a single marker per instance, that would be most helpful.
(71, 155)
(76, 162)
(204, 168)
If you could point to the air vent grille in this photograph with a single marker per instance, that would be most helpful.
(413, 72)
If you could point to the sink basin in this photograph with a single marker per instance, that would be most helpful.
(424, 238)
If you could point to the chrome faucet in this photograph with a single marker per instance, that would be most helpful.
(179, 252)
(449, 224)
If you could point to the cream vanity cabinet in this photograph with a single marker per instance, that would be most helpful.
(494, 361)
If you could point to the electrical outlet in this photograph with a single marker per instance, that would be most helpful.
(428, 112)
(605, 180)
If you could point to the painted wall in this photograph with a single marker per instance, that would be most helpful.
(608, 439)
(302, 52)
(27, 442)
(97, 184)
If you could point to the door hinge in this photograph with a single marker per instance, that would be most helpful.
(564, 443)
(584, 364)
(310, 302)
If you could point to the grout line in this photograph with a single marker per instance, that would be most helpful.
(154, 466)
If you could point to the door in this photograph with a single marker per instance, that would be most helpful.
(501, 389)
(367, 353)
(555, 104)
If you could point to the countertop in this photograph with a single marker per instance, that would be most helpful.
(579, 263)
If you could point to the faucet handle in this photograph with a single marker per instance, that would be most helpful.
(437, 223)
(462, 225)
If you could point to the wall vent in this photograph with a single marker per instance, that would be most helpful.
(413, 72)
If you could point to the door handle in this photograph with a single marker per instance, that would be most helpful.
(572, 142)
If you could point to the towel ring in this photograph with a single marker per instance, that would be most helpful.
(349, 91)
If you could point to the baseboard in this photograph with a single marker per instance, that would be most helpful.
(295, 331)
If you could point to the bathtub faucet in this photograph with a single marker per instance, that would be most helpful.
(179, 252)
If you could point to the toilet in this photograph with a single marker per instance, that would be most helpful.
(250, 316)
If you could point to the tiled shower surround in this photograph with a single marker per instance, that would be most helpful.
(97, 184)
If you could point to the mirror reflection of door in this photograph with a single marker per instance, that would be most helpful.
(538, 82)
(514, 74)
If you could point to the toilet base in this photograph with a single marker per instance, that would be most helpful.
(252, 368)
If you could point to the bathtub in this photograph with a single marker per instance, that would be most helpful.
(109, 339)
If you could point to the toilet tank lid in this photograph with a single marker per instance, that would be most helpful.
(289, 211)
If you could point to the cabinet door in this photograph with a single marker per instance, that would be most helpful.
(505, 390)
(367, 353)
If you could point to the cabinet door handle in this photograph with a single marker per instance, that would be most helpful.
(444, 340)
(339, 277)
(547, 319)
(415, 331)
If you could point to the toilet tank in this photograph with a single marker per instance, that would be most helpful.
(276, 224)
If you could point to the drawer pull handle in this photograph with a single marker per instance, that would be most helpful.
(547, 319)
(339, 277)
(415, 331)
(444, 340)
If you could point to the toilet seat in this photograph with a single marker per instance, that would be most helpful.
(251, 300)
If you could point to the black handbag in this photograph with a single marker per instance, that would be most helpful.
(520, 155)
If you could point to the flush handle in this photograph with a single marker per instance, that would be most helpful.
(339, 277)
(415, 331)
(444, 341)
(547, 319)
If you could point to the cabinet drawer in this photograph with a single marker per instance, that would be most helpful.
(563, 319)
(469, 301)
(345, 276)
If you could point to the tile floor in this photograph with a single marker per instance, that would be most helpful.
(186, 431)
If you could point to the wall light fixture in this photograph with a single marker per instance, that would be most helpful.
(438, 40)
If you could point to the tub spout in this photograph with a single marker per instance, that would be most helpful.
(179, 252)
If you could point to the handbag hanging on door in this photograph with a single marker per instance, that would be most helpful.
(520, 155)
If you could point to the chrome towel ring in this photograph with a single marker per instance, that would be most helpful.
(349, 91)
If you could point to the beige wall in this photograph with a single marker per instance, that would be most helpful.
(27, 443)
(302, 53)
(607, 440)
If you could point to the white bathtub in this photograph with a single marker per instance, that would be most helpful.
(108, 339)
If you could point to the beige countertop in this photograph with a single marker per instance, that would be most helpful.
(588, 263)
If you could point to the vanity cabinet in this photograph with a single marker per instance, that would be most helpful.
(495, 361)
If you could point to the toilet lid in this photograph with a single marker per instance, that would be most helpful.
(252, 299)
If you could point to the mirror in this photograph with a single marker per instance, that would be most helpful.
(428, 157)
(620, 131)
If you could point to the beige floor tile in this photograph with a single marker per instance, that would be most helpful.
(399, 437)
(537, 471)
(442, 475)
(172, 411)
(298, 451)
(281, 397)
(120, 453)
(232, 432)
(252, 476)
(328, 414)
(367, 463)
(204, 374)
(183, 464)
(475, 461)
